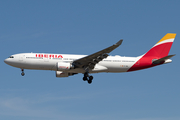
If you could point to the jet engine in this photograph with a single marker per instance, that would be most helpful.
(63, 74)
(62, 66)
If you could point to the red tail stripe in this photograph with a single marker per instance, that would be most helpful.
(156, 52)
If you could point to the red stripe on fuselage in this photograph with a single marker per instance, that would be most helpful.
(156, 52)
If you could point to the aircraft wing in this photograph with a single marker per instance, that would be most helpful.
(91, 60)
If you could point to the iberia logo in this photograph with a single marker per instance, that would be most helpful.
(49, 56)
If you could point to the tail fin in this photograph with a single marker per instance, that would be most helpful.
(158, 54)
(162, 48)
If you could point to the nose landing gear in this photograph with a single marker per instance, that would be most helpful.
(22, 72)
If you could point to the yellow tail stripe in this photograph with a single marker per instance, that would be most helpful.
(168, 36)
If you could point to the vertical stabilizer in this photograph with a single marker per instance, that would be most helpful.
(162, 48)
(158, 52)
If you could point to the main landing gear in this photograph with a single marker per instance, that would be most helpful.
(22, 72)
(87, 78)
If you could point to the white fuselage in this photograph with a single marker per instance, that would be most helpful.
(67, 64)
(43, 61)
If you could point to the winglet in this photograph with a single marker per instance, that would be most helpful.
(119, 42)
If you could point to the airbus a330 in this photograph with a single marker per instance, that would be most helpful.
(67, 64)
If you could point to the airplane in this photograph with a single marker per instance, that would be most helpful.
(68, 64)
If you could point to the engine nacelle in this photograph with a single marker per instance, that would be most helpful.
(63, 74)
(62, 66)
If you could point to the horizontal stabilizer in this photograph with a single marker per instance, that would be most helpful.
(162, 59)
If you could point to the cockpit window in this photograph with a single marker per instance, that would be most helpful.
(11, 57)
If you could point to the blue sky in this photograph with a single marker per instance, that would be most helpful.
(85, 27)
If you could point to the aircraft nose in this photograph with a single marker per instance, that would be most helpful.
(6, 61)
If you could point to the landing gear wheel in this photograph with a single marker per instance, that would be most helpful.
(89, 81)
(85, 78)
(22, 73)
(90, 78)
